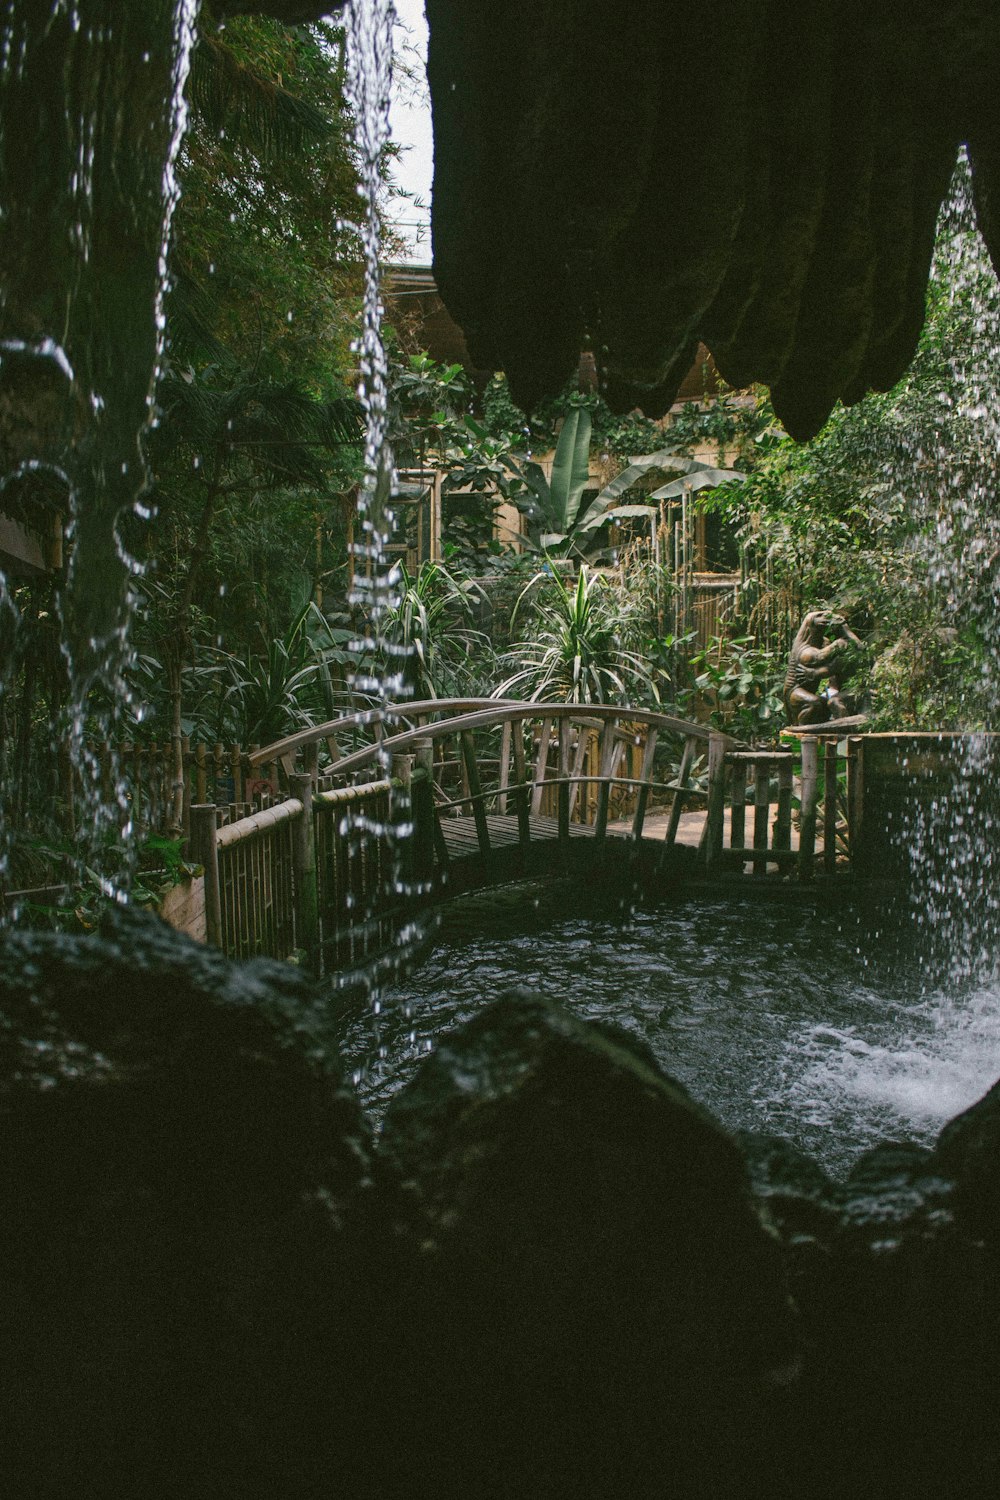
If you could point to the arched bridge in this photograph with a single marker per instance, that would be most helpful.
(508, 775)
(488, 790)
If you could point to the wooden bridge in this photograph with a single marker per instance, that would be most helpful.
(378, 811)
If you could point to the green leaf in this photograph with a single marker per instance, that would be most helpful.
(570, 467)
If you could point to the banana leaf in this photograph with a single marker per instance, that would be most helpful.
(702, 478)
(570, 468)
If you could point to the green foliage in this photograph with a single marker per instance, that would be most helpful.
(584, 647)
(888, 515)
(261, 269)
(282, 684)
(433, 623)
(742, 686)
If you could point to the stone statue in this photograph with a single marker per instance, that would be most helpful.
(818, 651)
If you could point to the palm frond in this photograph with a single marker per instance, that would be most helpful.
(262, 116)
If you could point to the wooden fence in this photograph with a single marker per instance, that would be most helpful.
(313, 875)
(829, 811)
(220, 774)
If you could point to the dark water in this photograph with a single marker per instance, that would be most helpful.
(821, 1025)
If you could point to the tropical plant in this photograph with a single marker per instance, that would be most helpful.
(741, 686)
(432, 625)
(567, 514)
(583, 647)
(282, 685)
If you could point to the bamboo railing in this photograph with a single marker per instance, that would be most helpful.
(829, 794)
(312, 875)
(221, 774)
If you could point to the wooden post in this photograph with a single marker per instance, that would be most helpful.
(504, 767)
(715, 822)
(645, 776)
(604, 784)
(310, 760)
(830, 807)
(521, 796)
(855, 795)
(562, 797)
(807, 815)
(200, 775)
(738, 805)
(304, 869)
(422, 805)
(470, 767)
(679, 797)
(579, 755)
(761, 813)
(782, 838)
(544, 735)
(401, 815)
(205, 852)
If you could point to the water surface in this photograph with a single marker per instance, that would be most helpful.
(821, 1025)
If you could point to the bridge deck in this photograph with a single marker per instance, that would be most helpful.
(462, 841)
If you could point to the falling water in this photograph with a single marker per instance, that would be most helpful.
(380, 675)
(97, 91)
(942, 1052)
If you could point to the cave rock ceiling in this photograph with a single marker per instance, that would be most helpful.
(764, 177)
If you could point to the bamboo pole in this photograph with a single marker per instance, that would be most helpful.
(304, 868)
(810, 792)
(204, 849)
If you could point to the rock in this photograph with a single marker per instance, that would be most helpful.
(593, 1307)
(791, 231)
(899, 1321)
(182, 1180)
(968, 1150)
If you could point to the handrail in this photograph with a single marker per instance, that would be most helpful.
(366, 716)
(504, 710)
(556, 781)
(231, 834)
(508, 713)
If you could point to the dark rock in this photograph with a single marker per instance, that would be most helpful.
(968, 1151)
(798, 1198)
(763, 176)
(593, 1306)
(181, 1178)
(900, 1324)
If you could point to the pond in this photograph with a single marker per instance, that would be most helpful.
(820, 1024)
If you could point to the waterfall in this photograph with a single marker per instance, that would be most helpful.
(96, 90)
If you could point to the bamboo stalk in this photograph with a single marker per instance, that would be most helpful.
(810, 791)
(761, 813)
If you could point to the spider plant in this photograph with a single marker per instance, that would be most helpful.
(581, 649)
(431, 625)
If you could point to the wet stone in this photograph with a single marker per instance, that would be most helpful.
(593, 1304)
(968, 1150)
(182, 1188)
